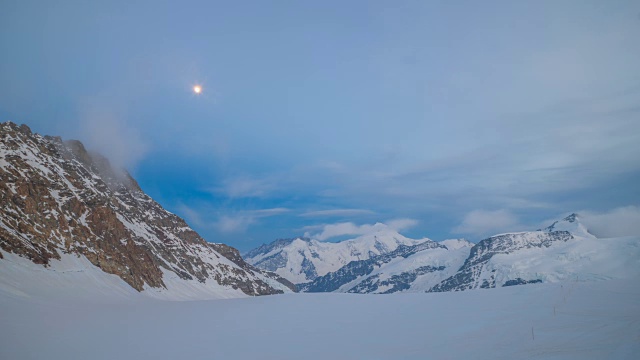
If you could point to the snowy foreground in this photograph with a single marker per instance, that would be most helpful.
(570, 320)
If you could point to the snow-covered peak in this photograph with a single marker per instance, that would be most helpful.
(456, 244)
(275, 245)
(383, 238)
(571, 224)
(302, 260)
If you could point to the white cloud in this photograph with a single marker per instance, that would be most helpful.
(337, 212)
(401, 224)
(191, 215)
(107, 133)
(241, 221)
(349, 228)
(484, 223)
(231, 224)
(622, 221)
(268, 212)
(245, 187)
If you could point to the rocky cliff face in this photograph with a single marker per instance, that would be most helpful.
(59, 198)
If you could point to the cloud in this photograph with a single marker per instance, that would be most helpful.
(245, 187)
(484, 223)
(622, 221)
(349, 228)
(269, 212)
(191, 215)
(337, 212)
(241, 221)
(232, 224)
(207, 218)
(108, 133)
(401, 224)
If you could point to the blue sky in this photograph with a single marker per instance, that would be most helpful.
(440, 119)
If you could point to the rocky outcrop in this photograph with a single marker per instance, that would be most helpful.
(57, 197)
(520, 281)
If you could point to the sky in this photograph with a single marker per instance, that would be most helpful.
(440, 119)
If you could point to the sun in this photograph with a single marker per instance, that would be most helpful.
(197, 89)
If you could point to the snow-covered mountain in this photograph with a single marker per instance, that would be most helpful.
(69, 211)
(562, 251)
(302, 260)
(408, 268)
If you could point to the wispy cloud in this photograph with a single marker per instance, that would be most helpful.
(191, 215)
(622, 221)
(234, 224)
(268, 212)
(348, 228)
(401, 224)
(108, 133)
(337, 212)
(240, 221)
(245, 187)
(486, 223)
(207, 218)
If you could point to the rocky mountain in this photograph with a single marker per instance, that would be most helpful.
(302, 260)
(59, 200)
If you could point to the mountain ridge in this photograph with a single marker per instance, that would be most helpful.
(565, 249)
(303, 260)
(58, 198)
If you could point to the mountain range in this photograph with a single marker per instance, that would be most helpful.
(565, 250)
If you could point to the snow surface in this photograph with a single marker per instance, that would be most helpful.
(569, 320)
(73, 276)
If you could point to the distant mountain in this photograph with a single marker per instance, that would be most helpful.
(475, 272)
(59, 200)
(565, 250)
(303, 260)
(571, 224)
(407, 267)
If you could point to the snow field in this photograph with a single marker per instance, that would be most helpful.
(568, 320)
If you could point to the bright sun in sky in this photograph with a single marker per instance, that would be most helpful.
(197, 89)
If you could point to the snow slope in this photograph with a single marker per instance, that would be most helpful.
(73, 276)
(567, 320)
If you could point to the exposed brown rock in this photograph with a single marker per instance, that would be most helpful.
(58, 197)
